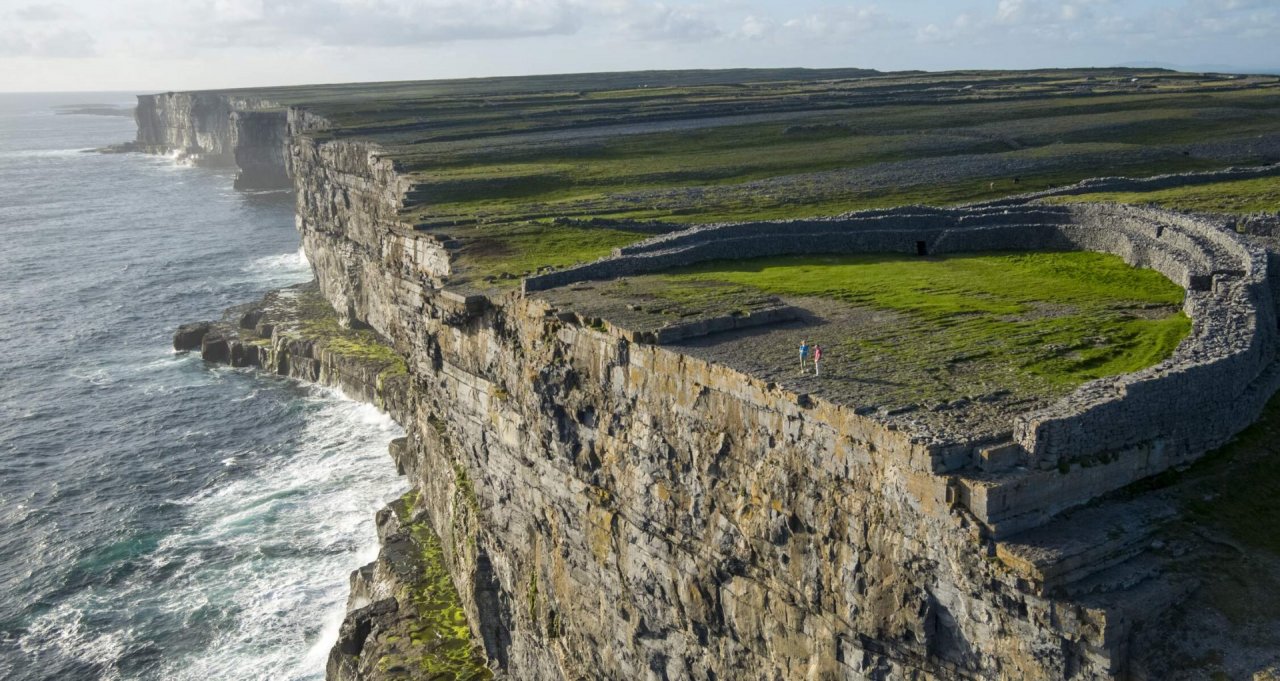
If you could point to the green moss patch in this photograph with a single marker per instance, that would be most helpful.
(1034, 319)
(439, 636)
(503, 254)
(315, 319)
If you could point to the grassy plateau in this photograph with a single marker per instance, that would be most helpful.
(496, 160)
(1056, 319)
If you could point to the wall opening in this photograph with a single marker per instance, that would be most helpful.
(922, 248)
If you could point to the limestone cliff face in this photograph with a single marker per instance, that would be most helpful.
(612, 509)
(618, 510)
(215, 129)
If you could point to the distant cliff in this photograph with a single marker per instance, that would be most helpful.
(214, 129)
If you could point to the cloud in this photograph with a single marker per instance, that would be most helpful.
(834, 24)
(843, 21)
(160, 27)
(45, 31)
(58, 43)
(41, 13)
(386, 22)
(499, 35)
(661, 22)
(755, 28)
(1046, 21)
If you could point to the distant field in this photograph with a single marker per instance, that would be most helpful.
(1261, 195)
(830, 162)
(495, 162)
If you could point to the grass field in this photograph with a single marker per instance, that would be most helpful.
(496, 160)
(952, 154)
(507, 252)
(1043, 318)
(1260, 195)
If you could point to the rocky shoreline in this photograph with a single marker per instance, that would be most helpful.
(404, 619)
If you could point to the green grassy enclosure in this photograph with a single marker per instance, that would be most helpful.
(1037, 318)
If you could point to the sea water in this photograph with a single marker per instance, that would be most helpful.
(160, 518)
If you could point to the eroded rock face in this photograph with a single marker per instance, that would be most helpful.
(617, 510)
(614, 509)
(259, 143)
(214, 129)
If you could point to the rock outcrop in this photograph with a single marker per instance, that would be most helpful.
(404, 617)
(608, 508)
(216, 129)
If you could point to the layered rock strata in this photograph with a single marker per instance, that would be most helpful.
(216, 129)
(609, 508)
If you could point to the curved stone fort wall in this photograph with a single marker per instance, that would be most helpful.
(1214, 384)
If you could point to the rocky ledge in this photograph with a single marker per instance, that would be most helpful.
(404, 617)
(293, 332)
(405, 620)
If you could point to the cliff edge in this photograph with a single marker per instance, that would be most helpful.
(608, 502)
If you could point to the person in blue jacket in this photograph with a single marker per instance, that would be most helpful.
(804, 354)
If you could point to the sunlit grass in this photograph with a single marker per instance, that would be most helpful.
(1063, 318)
(511, 251)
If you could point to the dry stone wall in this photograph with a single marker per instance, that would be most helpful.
(1141, 184)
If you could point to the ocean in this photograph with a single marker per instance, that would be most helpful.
(160, 518)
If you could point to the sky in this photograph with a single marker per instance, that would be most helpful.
(153, 45)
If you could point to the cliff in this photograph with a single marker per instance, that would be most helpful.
(405, 617)
(611, 507)
(214, 129)
(643, 512)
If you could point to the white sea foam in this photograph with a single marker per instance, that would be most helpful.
(279, 270)
(41, 153)
(64, 628)
(266, 556)
(308, 522)
(181, 158)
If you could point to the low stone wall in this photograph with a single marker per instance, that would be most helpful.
(1139, 184)
(1165, 415)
